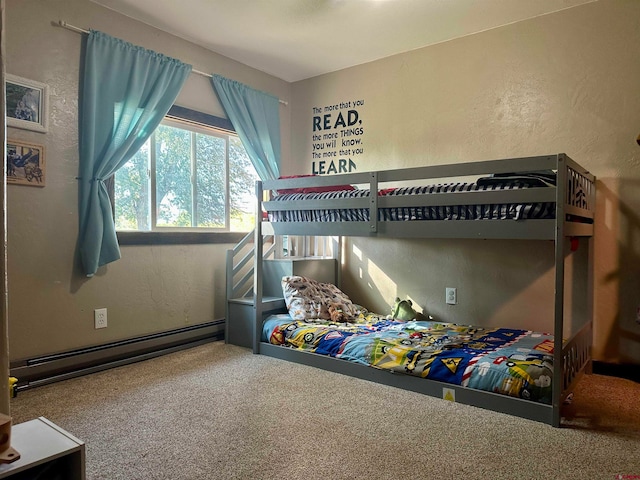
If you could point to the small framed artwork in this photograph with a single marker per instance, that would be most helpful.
(25, 164)
(27, 103)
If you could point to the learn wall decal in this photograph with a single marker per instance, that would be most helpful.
(338, 137)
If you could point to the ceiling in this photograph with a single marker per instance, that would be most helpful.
(298, 39)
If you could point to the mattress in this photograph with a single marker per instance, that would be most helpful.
(511, 362)
(504, 211)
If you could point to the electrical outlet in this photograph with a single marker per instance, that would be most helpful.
(451, 295)
(100, 317)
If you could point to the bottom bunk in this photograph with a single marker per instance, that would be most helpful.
(517, 363)
(501, 369)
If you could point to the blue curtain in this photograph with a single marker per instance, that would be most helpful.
(126, 91)
(256, 117)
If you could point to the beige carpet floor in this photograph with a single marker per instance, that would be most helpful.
(219, 412)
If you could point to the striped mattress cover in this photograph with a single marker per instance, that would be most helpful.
(511, 362)
(510, 211)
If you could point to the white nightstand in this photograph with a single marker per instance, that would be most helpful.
(43, 446)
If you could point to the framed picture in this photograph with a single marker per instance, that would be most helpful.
(27, 103)
(25, 164)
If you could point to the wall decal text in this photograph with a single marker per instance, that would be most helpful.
(337, 138)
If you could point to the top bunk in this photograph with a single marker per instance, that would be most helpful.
(539, 198)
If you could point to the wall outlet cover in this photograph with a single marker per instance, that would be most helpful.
(100, 318)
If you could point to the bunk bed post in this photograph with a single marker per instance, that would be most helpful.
(560, 247)
(228, 292)
(336, 250)
(257, 271)
(373, 202)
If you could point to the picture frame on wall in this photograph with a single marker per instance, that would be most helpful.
(27, 103)
(25, 164)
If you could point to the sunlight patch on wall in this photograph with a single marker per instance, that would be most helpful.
(380, 281)
(358, 254)
(415, 304)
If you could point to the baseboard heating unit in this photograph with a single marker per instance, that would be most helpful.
(61, 366)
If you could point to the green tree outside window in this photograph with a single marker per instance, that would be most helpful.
(203, 180)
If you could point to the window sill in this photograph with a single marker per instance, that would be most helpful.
(178, 238)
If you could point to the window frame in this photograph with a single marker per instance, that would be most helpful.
(182, 235)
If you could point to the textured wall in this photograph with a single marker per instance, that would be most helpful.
(152, 288)
(566, 82)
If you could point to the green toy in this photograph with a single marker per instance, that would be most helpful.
(403, 310)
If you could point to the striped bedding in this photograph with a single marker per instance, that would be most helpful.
(511, 362)
(509, 211)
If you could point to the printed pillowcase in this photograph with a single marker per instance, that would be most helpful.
(307, 299)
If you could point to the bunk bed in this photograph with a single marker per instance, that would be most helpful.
(537, 198)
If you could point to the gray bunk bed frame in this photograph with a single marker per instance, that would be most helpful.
(574, 198)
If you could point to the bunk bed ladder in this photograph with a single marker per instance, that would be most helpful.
(245, 277)
(240, 284)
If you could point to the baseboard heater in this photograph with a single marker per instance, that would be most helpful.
(47, 369)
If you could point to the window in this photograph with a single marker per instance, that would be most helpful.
(189, 176)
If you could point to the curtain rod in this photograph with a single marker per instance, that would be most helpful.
(64, 24)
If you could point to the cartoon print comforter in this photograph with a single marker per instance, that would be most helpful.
(518, 363)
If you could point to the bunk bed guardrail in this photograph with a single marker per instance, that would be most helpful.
(578, 204)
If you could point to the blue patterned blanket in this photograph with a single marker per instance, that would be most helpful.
(512, 362)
